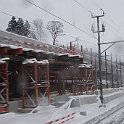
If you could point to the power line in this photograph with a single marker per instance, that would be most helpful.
(105, 12)
(90, 13)
(80, 39)
(96, 4)
(113, 27)
(46, 28)
(6, 13)
(82, 6)
(116, 29)
(60, 18)
(12, 15)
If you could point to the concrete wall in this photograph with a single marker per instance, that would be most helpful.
(110, 97)
(88, 100)
(107, 91)
(85, 99)
(14, 105)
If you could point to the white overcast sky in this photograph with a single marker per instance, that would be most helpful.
(75, 14)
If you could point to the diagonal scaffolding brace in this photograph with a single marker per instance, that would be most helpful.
(37, 84)
(4, 95)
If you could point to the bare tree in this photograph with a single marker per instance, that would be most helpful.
(32, 35)
(55, 28)
(38, 25)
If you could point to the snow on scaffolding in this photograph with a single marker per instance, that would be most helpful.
(70, 55)
(10, 46)
(85, 65)
(27, 49)
(38, 51)
(27, 42)
(33, 60)
(3, 60)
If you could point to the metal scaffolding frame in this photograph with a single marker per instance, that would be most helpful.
(4, 95)
(37, 84)
(85, 82)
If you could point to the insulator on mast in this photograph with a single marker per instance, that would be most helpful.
(103, 27)
(92, 28)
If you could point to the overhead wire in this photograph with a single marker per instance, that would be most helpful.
(113, 27)
(106, 13)
(54, 16)
(60, 18)
(8, 14)
(90, 13)
(80, 39)
(44, 27)
(82, 6)
(114, 30)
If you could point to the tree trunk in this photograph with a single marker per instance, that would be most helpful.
(54, 40)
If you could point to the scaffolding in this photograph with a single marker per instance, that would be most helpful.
(85, 82)
(4, 97)
(36, 83)
(78, 79)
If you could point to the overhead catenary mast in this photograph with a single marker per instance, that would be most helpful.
(99, 53)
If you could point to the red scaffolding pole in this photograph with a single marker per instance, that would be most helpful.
(37, 83)
(85, 80)
(89, 78)
(4, 97)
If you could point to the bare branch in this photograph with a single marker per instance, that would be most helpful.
(38, 25)
(55, 28)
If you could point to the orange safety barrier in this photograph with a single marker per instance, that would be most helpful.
(62, 119)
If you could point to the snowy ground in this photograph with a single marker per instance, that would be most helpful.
(115, 118)
(80, 114)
